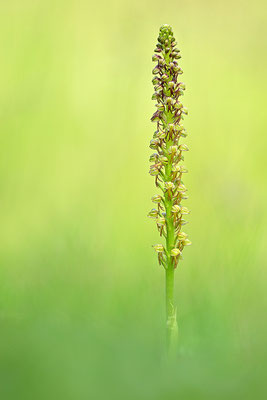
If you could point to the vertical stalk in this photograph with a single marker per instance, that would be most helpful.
(166, 167)
(171, 324)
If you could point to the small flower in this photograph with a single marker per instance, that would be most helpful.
(154, 170)
(156, 95)
(154, 143)
(154, 157)
(181, 188)
(186, 242)
(157, 198)
(160, 107)
(183, 147)
(161, 221)
(185, 211)
(169, 185)
(168, 100)
(156, 116)
(156, 57)
(173, 150)
(159, 248)
(156, 70)
(164, 160)
(182, 169)
(175, 252)
(183, 133)
(181, 236)
(176, 209)
(178, 105)
(153, 213)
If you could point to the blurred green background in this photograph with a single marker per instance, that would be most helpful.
(81, 293)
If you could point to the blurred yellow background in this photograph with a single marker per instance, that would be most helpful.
(81, 293)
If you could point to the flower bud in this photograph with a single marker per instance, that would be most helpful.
(180, 168)
(183, 147)
(162, 135)
(154, 157)
(175, 252)
(158, 248)
(178, 105)
(184, 211)
(155, 80)
(156, 70)
(186, 242)
(164, 160)
(168, 101)
(173, 150)
(175, 168)
(181, 236)
(153, 213)
(181, 188)
(161, 221)
(160, 107)
(169, 186)
(156, 57)
(154, 170)
(176, 209)
(155, 117)
(183, 133)
(155, 96)
(156, 199)
(154, 143)
(171, 127)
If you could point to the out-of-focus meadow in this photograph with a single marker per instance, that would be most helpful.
(81, 293)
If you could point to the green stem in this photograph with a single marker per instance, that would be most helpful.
(171, 324)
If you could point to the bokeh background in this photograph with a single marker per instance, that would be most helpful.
(81, 293)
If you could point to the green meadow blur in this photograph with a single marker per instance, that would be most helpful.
(81, 292)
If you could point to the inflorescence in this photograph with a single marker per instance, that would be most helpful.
(166, 167)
